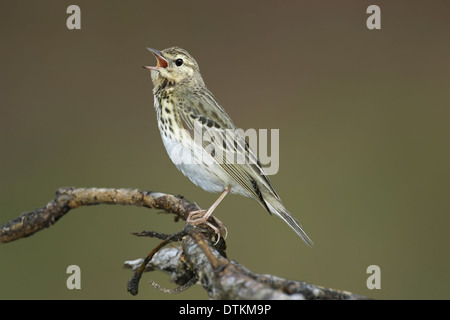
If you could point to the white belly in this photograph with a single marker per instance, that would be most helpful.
(192, 167)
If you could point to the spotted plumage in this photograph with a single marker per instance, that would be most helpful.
(220, 160)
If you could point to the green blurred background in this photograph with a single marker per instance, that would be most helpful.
(364, 138)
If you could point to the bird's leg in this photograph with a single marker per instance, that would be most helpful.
(201, 216)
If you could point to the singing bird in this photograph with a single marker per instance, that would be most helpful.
(223, 162)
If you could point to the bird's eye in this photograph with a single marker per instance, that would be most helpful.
(179, 62)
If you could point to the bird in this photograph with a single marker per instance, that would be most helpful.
(204, 143)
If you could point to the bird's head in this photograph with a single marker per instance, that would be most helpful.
(176, 65)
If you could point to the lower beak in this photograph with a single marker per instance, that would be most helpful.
(162, 62)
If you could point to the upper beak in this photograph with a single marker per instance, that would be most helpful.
(162, 62)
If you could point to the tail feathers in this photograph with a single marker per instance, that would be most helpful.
(279, 210)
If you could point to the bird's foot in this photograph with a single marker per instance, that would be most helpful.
(198, 217)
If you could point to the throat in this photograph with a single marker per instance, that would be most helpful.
(165, 114)
(165, 85)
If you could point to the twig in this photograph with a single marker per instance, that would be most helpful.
(133, 284)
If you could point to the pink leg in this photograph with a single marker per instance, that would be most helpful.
(215, 204)
(205, 214)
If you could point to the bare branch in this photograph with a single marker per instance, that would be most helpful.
(71, 198)
(194, 260)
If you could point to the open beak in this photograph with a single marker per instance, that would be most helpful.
(162, 62)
